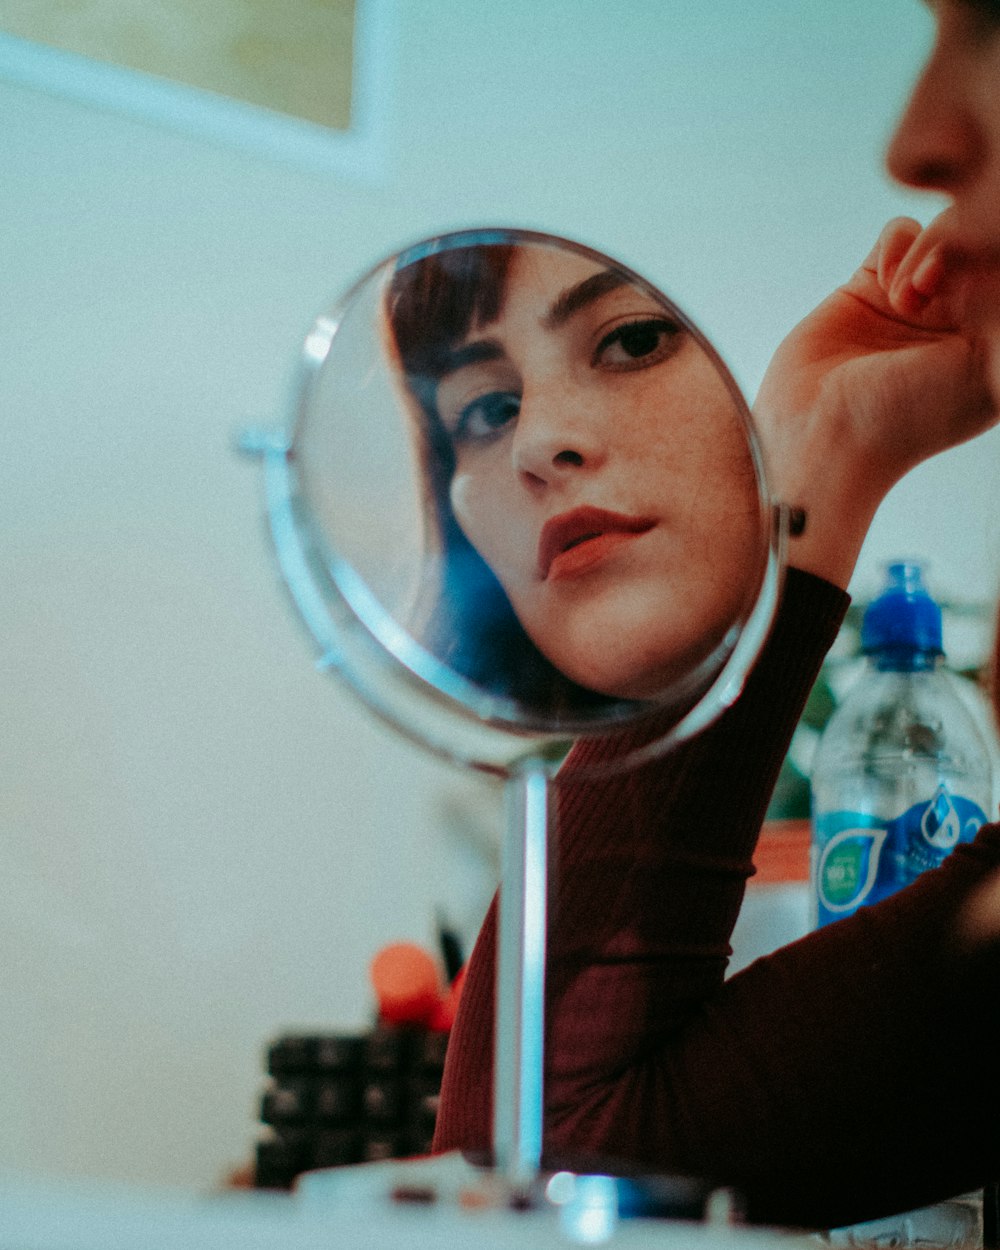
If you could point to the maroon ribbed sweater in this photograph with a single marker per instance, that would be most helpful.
(852, 1074)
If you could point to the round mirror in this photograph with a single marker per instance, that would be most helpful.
(523, 502)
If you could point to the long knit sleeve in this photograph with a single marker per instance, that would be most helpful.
(822, 1081)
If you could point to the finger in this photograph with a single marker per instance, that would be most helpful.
(874, 278)
(927, 274)
(920, 272)
(893, 243)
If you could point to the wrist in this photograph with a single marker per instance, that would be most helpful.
(838, 486)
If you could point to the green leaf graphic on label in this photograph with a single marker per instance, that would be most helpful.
(848, 867)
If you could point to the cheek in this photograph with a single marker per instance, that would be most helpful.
(479, 513)
(466, 503)
(489, 516)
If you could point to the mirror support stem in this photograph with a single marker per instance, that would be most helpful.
(520, 1014)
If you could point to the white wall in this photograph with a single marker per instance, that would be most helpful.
(203, 840)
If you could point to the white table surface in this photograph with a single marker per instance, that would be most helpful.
(348, 1208)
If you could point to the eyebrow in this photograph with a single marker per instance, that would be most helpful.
(454, 358)
(586, 292)
(566, 305)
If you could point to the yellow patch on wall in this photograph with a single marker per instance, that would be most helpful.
(291, 56)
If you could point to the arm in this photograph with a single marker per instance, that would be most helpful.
(651, 870)
(847, 1076)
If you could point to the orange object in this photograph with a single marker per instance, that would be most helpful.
(407, 983)
(782, 854)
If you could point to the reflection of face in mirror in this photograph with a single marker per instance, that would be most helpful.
(580, 441)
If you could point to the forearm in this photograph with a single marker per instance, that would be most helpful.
(650, 873)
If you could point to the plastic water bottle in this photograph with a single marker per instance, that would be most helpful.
(902, 773)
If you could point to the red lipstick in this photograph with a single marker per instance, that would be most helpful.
(574, 541)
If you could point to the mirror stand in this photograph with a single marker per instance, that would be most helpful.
(519, 1039)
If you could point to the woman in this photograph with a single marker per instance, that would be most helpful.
(591, 488)
(851, 1074)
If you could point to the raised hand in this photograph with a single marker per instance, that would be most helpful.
(876, 379)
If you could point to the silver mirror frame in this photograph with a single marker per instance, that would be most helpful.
(402, 682)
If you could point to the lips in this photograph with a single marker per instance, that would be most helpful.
(573, 541)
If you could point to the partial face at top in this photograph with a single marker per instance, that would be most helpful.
(602, 471)
(949, 140)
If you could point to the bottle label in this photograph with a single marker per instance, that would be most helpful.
(859, 859)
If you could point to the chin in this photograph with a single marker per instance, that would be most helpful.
(665, 674)
(599, 673)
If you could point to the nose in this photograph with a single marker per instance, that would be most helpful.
(556, 436)
(938, 144)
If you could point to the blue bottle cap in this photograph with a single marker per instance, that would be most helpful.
(904, 618)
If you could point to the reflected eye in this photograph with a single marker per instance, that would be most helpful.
(637, 344)
(485, 415)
